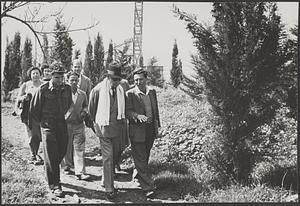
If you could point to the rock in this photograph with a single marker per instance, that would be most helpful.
(76, 199)
(292, 198)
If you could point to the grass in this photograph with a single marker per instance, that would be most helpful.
(184, 181)
(19, 182)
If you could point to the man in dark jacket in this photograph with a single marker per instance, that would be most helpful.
(142, 112)
(48, 107)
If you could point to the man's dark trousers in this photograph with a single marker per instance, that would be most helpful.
(55, 142)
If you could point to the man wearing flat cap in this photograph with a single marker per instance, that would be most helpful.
(143, 116)
(107, 110)
(48, 107)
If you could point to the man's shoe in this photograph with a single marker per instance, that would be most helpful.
(67, 171)
(110, 195)
(39, 160)
(58, 192)
(83, 177)
(32, 160)
(149, 193)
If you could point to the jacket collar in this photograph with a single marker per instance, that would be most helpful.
(138, 91)
(52, 87)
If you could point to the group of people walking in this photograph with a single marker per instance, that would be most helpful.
(57, 108)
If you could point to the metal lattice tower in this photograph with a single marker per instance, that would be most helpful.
(138, 31)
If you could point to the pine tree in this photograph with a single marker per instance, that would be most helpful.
(7, 73)
(176, 71)
(239, 60)
(110, 54)
(98, 69)
(15, 61)
(88, 61)
(63, 44)
(26, 61)
(46, 57)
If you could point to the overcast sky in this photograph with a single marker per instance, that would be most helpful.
(160, 27)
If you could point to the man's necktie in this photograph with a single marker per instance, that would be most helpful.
(114, 92)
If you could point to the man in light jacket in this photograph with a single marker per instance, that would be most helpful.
(76, 129)
(107, 110)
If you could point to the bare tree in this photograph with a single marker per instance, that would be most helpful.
(33, 18)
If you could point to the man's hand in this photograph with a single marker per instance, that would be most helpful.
(141, 118)
(83, 114)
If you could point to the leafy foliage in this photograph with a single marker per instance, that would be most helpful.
(63, 45)
(26, 61)
(239, 59)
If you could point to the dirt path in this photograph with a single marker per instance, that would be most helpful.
(77, 191)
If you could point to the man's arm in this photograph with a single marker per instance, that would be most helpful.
(156, 108)
(35, 109)
(89, 87)
(93, 103)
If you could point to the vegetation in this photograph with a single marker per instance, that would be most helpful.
(99, 69)
(12, 65)
(240, 60)
(154, 73)
(110, 54)
(63, 44)
(26, 61)
(176, 70)
(88, 60)
(18, 183)
(46, 56)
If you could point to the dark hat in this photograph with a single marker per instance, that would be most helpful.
(31, 69)
(114, 70)
(57, 67)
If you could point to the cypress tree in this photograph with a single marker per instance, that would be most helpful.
(88, 61)
(15, 61)
(98, 69)
(176, 70)
(7, 73)
(26, 61)
(110, 53)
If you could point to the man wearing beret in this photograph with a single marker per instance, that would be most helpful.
(107, 110)
(142, 112)
(48, 107)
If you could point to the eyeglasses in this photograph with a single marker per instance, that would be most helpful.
(76, 66)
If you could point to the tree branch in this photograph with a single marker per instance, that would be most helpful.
(30, 27)
(71, 30)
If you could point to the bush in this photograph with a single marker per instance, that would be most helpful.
(275, 149)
